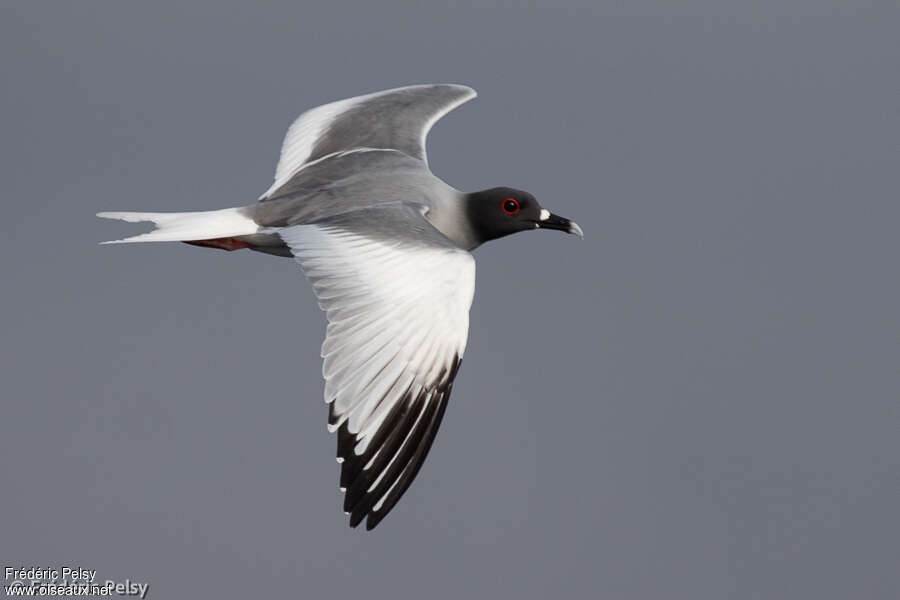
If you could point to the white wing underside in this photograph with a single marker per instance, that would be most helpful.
(398, 321)
(395, 318)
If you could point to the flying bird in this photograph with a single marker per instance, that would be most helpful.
(387, 247)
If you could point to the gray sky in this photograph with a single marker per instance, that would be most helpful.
(698, 401)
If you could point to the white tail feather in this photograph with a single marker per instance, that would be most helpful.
(186, 226)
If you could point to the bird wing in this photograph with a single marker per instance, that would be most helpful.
(397, 294)
(397, 119)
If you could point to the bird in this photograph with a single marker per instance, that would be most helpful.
(387, 247)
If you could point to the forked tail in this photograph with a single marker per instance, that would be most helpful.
(188, 226)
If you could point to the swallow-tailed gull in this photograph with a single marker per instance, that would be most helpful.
(386, 246)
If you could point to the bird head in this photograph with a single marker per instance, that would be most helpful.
(500, 211)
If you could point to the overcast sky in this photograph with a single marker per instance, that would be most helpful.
(699, 401)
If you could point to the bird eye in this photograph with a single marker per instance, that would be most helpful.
(510, 206)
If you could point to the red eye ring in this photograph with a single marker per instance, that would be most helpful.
(510, 206)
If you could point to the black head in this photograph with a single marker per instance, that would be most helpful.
(501, 211)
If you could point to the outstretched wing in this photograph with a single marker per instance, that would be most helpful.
(398, 318)
(397, 119)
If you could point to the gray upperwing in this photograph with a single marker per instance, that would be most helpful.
(348, 182)
(397, 119)
(398, 223)
(345, 171)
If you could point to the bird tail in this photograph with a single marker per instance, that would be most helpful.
(187, 226)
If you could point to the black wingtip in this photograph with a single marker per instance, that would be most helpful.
(396, 452)
(355, 519)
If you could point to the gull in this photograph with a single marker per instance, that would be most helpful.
(387, 248)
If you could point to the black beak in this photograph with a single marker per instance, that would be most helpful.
(552, 221)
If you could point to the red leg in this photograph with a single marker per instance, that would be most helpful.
(226, 243)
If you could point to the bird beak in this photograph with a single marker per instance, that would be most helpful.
(550, 221)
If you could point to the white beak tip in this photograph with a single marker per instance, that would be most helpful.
(575, 229)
